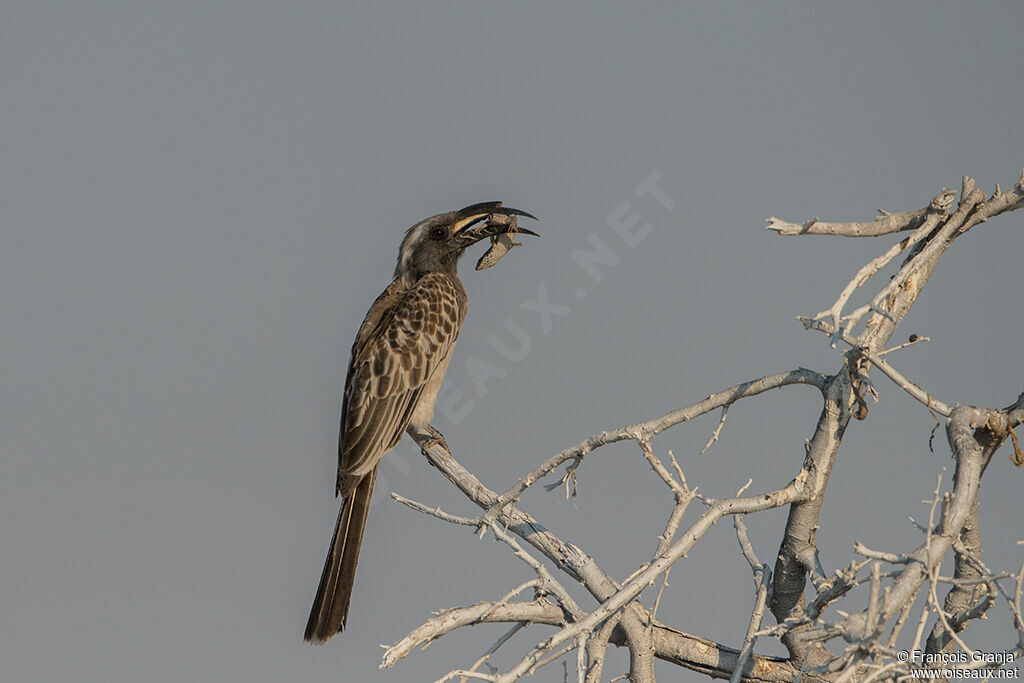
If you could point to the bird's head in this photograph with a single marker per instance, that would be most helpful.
(435, 244)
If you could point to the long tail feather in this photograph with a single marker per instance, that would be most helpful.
(330, 607)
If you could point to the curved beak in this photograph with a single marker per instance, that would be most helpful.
(482, 220)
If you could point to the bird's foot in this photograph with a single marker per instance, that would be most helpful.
(436, 438)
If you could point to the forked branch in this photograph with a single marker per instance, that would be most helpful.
(861, 641)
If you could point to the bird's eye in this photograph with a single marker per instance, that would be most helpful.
(437, 233)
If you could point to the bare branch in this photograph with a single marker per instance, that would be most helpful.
(495, 647)
(972, 454)
(973, 591)
(763, 579)
(911, 388)
(681, 493)
(619, 618)
(746, 547)
(651, 428)
(631, 589)
(547, 585)
(597, 646)
(763, 595)
(891, 558)
(717, 432)
(802, 524)
(914, 339)
(883, 224)
(693, 652)
(539, 611)
(835, 312)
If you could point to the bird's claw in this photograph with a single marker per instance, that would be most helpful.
(436, 438)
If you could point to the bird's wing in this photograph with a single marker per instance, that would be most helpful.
(410, 335)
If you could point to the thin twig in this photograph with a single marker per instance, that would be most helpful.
(717, 432)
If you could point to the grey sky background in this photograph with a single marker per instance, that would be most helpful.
(200, 201)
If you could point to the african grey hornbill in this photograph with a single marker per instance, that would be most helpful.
(398, 363)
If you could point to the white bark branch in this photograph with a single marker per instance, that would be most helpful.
(619, 618)
(651, 428)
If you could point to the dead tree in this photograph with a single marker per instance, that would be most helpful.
(877, 589)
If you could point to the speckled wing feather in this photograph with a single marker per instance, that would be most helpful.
(406, 336)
